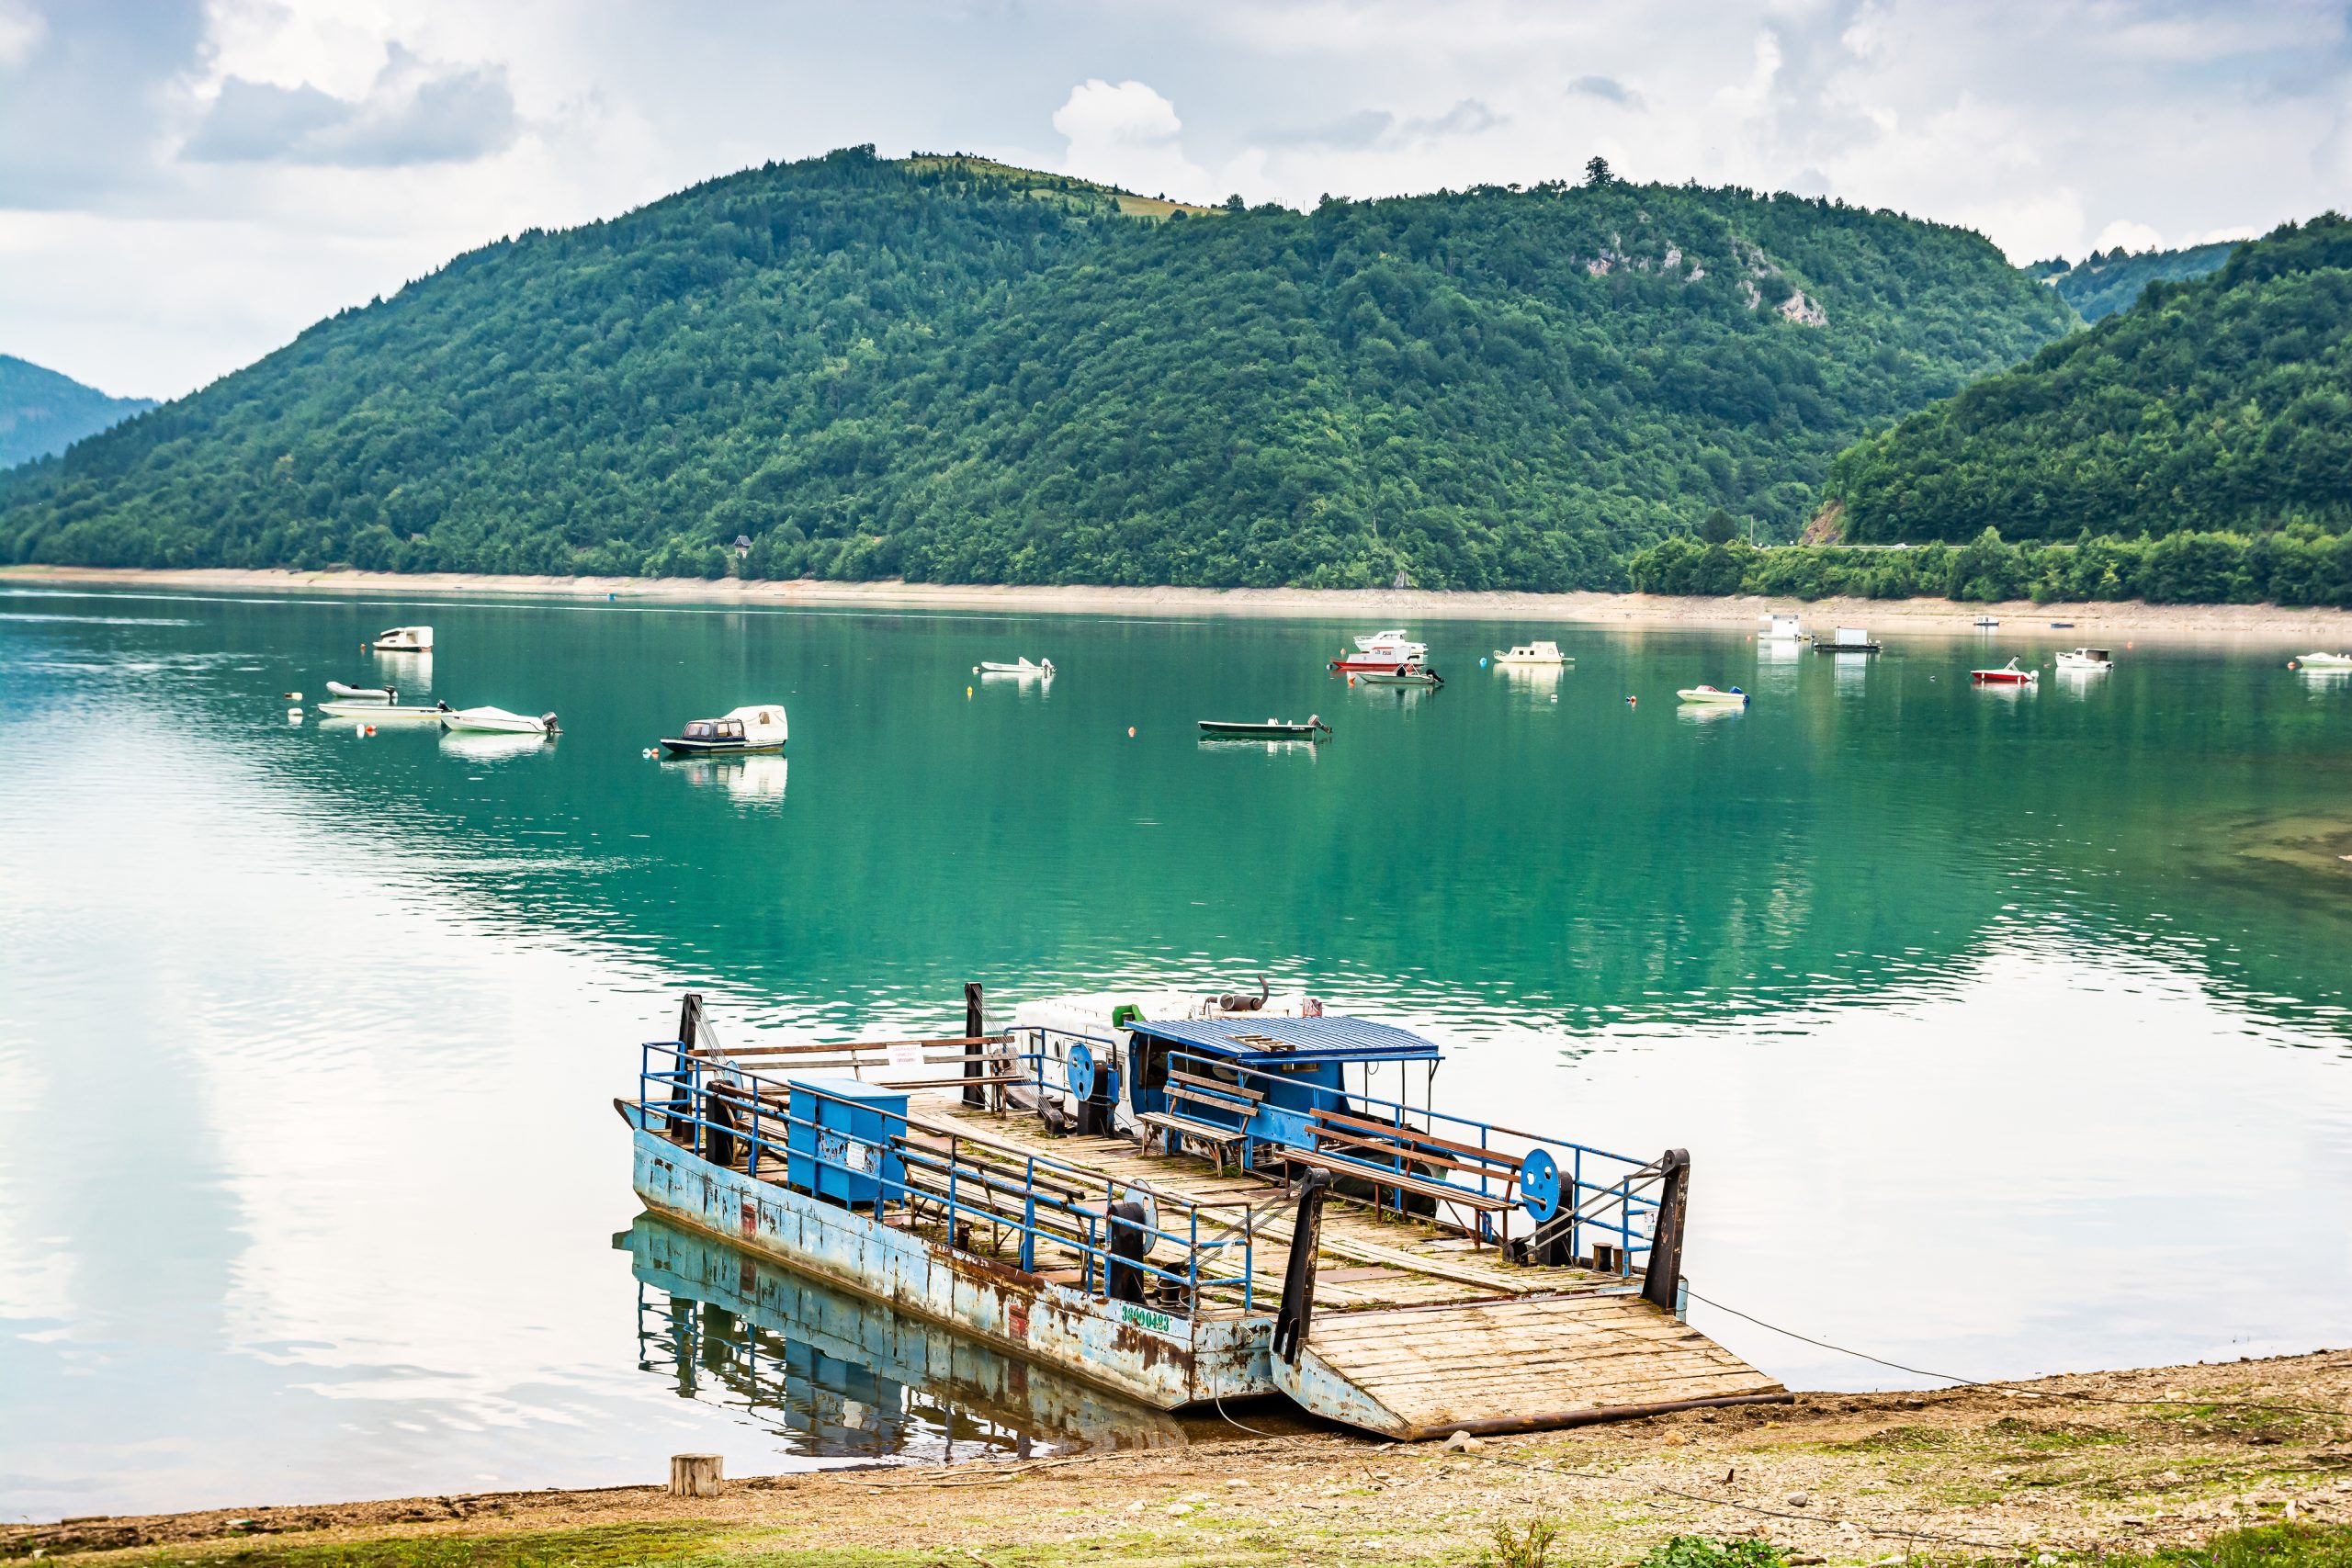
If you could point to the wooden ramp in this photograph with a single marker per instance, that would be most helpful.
(1514, 1365)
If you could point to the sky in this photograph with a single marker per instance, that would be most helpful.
(185, 184)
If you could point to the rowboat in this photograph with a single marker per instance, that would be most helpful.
(498, 721)
(1533, 653)
(1023, 667)
(2322, 661)
(384, 713)
(1734, 698)
(1409, 676)
(741, 733)
(2086, 659)
(403, 639)
(2006, 675)
(378, 693)
(1271, 729)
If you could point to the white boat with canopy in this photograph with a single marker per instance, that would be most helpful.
(746, 730)
(2084, 661)
(1533, 653)
(498, 721)
(403, 639)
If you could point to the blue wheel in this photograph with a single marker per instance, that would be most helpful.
(1081, 1072)
(1539, 1185)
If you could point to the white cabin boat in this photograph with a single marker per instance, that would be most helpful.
(1783, 628)
(2322, 661)
(1533, 653)
(498, 721)
(2087, 659)
(1393, 645)
(746, 730)
(403, 639)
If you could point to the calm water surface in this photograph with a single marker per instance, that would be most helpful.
(2008, 1030)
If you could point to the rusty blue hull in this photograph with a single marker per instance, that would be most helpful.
(1160, 1359)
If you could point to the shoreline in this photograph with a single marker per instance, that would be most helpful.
(2076, 1465)
(2094, 620)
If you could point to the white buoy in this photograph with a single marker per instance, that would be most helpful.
(293, 715)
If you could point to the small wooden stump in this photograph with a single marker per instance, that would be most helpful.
(694, 1476)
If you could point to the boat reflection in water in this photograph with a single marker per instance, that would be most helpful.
(754, 779)
(836, 1376)
(489, 746)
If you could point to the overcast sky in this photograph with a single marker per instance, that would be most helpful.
(185, 184)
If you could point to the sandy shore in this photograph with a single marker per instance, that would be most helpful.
(2162, 1456)
(1533, 612)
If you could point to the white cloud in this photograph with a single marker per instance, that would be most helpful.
(2130, 235)
(1128, 135)
(21, 31)
(413, 112)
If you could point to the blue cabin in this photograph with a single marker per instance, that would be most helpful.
(1265, 1078)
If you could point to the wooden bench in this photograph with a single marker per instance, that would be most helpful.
(1222, 1141)
(1492, 1166)
(1439, 1192)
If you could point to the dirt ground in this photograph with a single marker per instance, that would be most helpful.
(2292, 630)
(2026, 1472)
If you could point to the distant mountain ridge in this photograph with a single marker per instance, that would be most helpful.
(2101, 285)
(43, 413)
(951, 370)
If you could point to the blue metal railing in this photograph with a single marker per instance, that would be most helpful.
(701, 1102)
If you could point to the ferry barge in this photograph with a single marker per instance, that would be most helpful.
(1182, 1199)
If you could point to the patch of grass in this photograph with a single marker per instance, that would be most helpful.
(1703, 1551)
(1898, 1440)
(2262, 1545)
(2034, 1434)
(605, 1546)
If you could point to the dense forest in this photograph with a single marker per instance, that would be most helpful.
(43, 412)
(952, 371)
(2104, 283)
(2220, 406)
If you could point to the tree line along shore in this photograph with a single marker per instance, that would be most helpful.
(2240, 1464)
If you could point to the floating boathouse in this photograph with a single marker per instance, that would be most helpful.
(1186, 1209)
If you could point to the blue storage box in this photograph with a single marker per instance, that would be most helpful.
(840, 1146)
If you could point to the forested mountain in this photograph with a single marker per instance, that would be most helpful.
(2104, 284)
(952, 371)
(43, 412)
(2219, 405)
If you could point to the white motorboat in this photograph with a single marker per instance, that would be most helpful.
(385, 713)
(1710, 695)
(2322, 661)
(1044, 667)
(365, 693)
(760, 727)
(1533, 653)
(498, 721)
(2085, 660)
(2008, 674)
(403, 639)
(1783, 628)
(1393, 645)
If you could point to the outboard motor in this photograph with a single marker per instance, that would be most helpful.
(548, 719)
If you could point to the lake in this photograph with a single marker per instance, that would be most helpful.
(2008, 1030)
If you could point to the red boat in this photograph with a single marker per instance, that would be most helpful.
(2006, 675)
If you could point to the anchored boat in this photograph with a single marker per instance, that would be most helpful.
(1219, 1201)
(498, 721)
(2086, 659)
(2006, 675)
(1531, 653)
(385, 713)
(746, 731)
(1044, 667)
(1783, 628)
(1271, 729)
(1710, 695)
(403, 639)
(1411, 675)
(2322, 661)
(1847, 639)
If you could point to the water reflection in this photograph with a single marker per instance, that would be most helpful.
(486, 746)
(751, 780)
(834, 1375)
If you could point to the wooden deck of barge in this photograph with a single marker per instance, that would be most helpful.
(1416, 1330)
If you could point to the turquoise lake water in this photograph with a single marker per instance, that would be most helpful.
(2011, 1032)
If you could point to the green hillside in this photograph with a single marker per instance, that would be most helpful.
(2222, 404)
(43, 412)
(2104, 284)
(951, 370)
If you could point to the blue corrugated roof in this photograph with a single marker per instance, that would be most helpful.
(1349, 1039)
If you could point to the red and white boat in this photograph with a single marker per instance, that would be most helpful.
(1385, 653)
(2006, 675)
